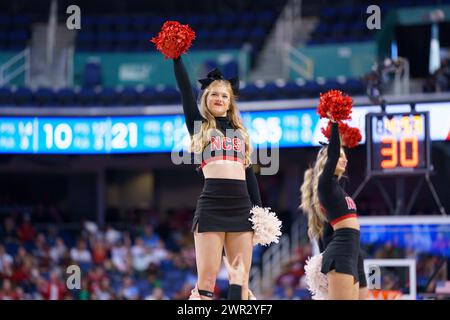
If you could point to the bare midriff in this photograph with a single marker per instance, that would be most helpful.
(350, 222)
(224, 169)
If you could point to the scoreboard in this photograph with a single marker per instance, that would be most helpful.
(395, 136)
(398, 143)
(90, 135)
(144, 133)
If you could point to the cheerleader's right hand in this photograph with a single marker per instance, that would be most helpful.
(329, 116)
(235, 270)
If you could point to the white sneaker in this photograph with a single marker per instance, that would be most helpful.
(251, 296)
(194, 294)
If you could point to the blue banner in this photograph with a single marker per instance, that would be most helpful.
(166, 133)
(142, 134)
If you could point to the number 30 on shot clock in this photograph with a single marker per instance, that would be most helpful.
(398, 143)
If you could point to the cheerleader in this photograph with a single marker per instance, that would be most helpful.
(323, 243)
(332, 215)
(221, 146)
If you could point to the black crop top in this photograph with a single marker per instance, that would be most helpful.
(228, 144)
(336, 203)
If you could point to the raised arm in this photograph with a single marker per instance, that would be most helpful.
(190, 109)
(333, 153)
(252, 187)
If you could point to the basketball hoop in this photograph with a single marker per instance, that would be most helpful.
(385, 295)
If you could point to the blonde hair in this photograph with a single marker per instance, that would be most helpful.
(310, 203)
(201, 139)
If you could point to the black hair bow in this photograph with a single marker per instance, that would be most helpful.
(215, 74)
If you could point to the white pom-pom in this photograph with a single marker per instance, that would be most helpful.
(266, 225)
(91, 227)
(316, 281)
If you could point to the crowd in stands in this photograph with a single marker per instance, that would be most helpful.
(147, 261)
(152, 258)
(151, 255)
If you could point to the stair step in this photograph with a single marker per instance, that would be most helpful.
(269, 65)
(55, 74)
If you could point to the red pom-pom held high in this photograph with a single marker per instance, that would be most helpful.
(335, 105)
(350, 136)
(174, 39)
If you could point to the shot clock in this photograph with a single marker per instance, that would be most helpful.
(398, 143)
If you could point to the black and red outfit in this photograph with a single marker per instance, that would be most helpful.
(326, 238)
(341, 247)
(224, 204)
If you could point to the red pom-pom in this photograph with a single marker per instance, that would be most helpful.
(335, 105)
(350, 136)
(327, 131)
(174, 39)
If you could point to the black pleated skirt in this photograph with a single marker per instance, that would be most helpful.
(342, 252)
(223, 206)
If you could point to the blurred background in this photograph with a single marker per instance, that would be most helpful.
(89, 117)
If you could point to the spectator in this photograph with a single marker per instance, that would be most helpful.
(95, 277)
(120, 257)
(150, 238)
(21, 255)
(7, 292)
(58, 251)
(22, 272)
(99, 250)
(157, 294)
(81, 256)
(54, 288)
(129, 290)
(41, 251)
(141, 255)
(84, 293)
(6, 260)
(52, 235)
(26, 232)
(112, 236)
(104, 290)
(9, 230)
(159, 253)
